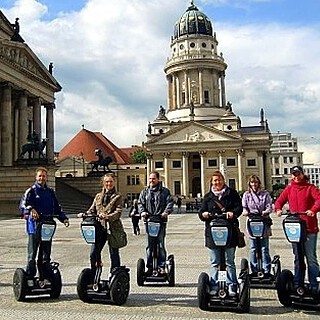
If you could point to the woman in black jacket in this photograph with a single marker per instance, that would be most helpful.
(220, 199)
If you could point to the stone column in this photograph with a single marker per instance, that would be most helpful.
(186, 87)
(185, 169)
(177, 93)
(222, 168)
(6, 127)
(261, 167)
(37, 116)
(223, 89)
(240, 180)
(50, 131)
(174, 92)
(202, 164)
(200, 88)
(23, 120)
(149, 164)
(166, 168)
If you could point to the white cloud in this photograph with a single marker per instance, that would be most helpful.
(109, 59)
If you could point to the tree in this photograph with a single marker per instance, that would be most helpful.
(139, 156)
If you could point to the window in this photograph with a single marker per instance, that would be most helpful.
(176, 164)
(212, 163)
(276, 160)
(183, 98)
(285, 170)
(158, 164)
(133, 180)
(206, 96)
(196, 165)
(251, 162)
(291, 159)
(277, 171)
(177, 187)
(285, 160)
(231, 162)
(232, 183)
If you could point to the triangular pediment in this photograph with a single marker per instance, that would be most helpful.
(20, 58)
(193, 132)
(6, 30)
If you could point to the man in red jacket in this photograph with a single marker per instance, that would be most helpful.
(303, 197)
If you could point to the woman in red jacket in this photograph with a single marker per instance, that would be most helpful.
(303, 196)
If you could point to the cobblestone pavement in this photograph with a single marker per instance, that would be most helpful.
(184, 240)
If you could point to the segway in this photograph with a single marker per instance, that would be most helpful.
(153, 227)
(221, 232)
(295, 230)
(256, 226)
(48, 281)
(90, 286)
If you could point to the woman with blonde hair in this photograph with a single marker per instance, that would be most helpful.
(221, 198)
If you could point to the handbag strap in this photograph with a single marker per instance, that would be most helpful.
(219, 204)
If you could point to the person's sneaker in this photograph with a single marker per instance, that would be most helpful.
(213, 291)
(232, 290)
(162, 271)
(30, 283)
(149, 271)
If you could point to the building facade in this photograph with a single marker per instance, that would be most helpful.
(284, 155)
(198, 132)
(313, 173)
(26, 88)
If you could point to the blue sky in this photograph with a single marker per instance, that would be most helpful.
(109, 57)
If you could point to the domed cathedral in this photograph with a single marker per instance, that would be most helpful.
(199, 133)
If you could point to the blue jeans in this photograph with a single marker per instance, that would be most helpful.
(95, 254)
(43, 248)
(151, 245)
(215, 260)
(265, 255)
(310, 247)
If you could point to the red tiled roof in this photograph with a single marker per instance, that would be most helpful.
(130, 150)
(84, 144)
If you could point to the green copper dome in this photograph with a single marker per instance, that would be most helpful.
(193, 22)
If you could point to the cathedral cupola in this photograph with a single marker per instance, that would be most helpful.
(192, 22)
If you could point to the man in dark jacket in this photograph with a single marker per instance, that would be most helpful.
(38, 203)
(156, 200)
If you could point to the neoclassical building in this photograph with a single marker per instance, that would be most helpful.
(198, 132)
(26, 88)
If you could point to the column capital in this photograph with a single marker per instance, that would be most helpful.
(50, 106)
(221, 151)
(240, 151)
(149, 155)
(166, 154)
(202, 153)
(185, 154)
(6, 84)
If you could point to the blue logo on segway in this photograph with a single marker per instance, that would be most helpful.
(219, 235)
(89, 233)
(256, 228)
(293, 231)
(47, 232)
(153, 229)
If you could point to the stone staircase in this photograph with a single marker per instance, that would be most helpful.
(72, 199)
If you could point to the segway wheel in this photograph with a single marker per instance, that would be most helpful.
(140, 272)
(120, 287)
(284, 285)
(171, 275)
(277, 269)
(203, 288)
(56, 284)
(20, 284)
(84, 280)
(244, 265)
(244, 303)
